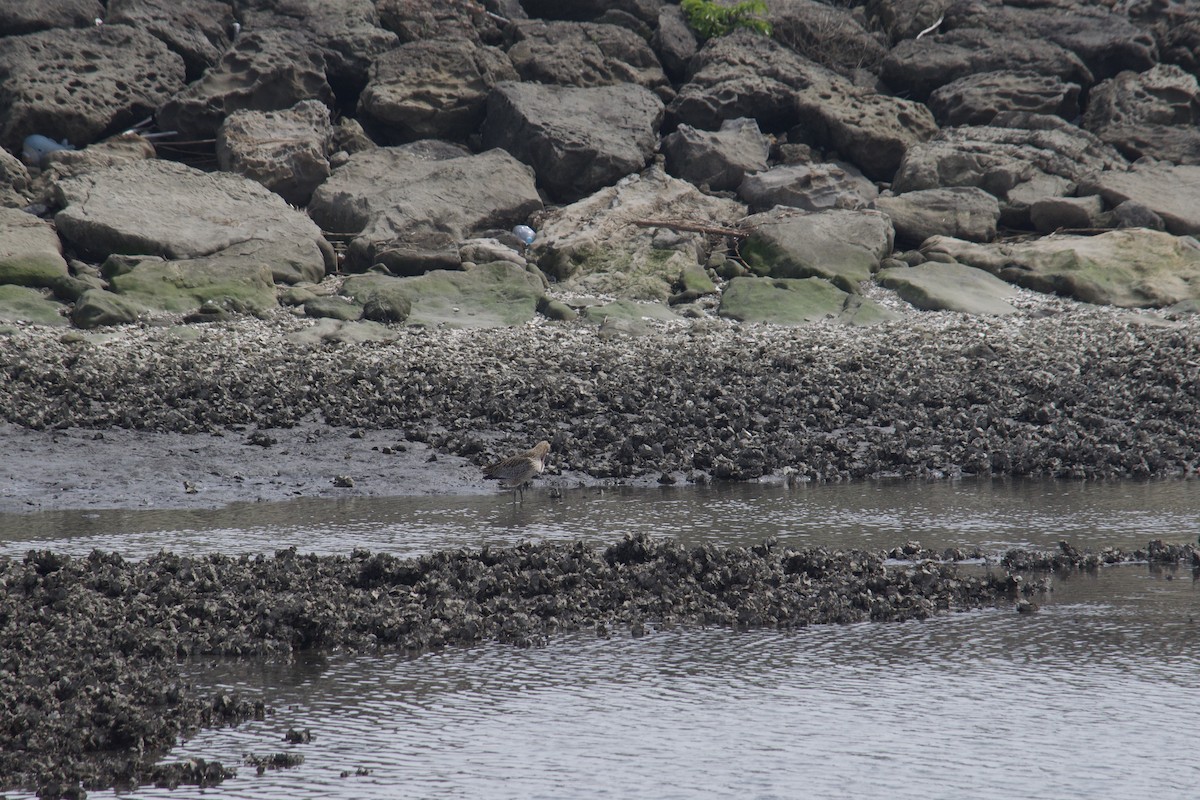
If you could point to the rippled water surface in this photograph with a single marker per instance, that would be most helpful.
(995, 515)
(1093, 697)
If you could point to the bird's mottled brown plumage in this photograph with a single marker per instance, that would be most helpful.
(516, 471)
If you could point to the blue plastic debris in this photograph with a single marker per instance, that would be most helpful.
(35, 147)
(525, 233)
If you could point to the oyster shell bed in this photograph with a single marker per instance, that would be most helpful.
(1061, 389)
(91, 646)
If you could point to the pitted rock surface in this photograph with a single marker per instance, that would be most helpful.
(1154, 113)
(1015, 150)
(30, 16)
(583, 10)
(978, 98)
(346, 33)
(1103, 38)
(286, 151)
(435, 89)
(447, 19)
(922, 66)
(811, 187)
(583, 54)
(872, 130)
(82, 84)
(199, 30)
(744, 75)
(829, 35)
(264, 71)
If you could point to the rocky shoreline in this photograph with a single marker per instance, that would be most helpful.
(254, 250)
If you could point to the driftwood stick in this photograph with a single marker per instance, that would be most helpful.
(932, 27)
(692, 227)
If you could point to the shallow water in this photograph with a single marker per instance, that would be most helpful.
(994, 514)
(1092, 697)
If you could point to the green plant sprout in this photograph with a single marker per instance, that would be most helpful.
(711, 20)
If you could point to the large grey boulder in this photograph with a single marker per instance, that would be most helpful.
(1106, 40)
(286, 151)
(1044, 153)
(1172, 192)
(124, 148)
(448, 19)
(1053, 213)
(30, 253)
(583, 54)
(1155, 113)
(965, 212)
(811, 187)
(841, 246)
(744, 75)
(28, 305)
(434, 89)
(345, 33)
(576, 140)
(98, 308)
(82, 84)
(978, 98)
(236, 280)
(197, 30)
(872, 131)
(177, 212)
(491, 295)
(592, 247)
(827, 34)
(1132, 268)
(797, 301)
(410, 207)
(266, 70)
(1178, 36)
(674, 42)
(748, 75)
(917, 67)
(716, 159)
(935, 286)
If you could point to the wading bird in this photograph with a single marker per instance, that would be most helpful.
(516, 472)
